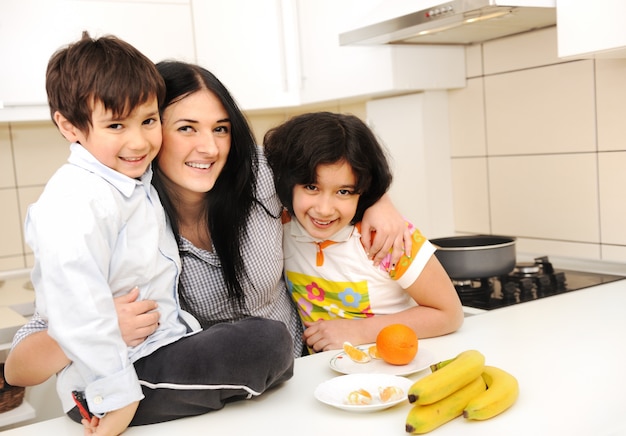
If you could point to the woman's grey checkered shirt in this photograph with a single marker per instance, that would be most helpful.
(202, 289)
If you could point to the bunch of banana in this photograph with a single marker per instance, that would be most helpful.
(502, 391)
(459, 386)
(422, 419)
(451, 377)
(441, 396)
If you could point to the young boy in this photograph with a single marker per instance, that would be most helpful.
(328, 169)
(99, 230)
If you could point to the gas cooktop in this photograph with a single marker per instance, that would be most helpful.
(527, 282)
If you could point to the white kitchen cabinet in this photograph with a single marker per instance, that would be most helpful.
(283, 53)
(252, 47)
(269, 53)
(591, 29)
(331, 71)
(32, 30)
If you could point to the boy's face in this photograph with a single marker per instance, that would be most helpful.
(327, 206)
(126, 145)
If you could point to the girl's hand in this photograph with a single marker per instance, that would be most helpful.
(392, 233)
(137, 319)
(331, 334)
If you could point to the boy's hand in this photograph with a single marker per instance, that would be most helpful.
(137, 319)
(90, 426)
(111, 424)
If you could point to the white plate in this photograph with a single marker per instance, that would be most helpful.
(335, 391)
(343, 364)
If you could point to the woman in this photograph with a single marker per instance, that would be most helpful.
(228, 227)
(219, 195)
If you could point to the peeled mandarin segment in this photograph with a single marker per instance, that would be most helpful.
(373, 352)
(390, 393)
(355, 353)
(359, 397)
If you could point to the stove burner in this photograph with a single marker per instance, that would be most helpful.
(473, 289)
(527, 282)
(526, 269)
(462, 283)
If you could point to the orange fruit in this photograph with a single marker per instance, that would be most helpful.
(397, 344)
(355, 353)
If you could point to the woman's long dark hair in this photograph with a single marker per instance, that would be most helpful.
(228, 204)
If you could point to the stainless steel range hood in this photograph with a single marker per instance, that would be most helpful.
(457, 22)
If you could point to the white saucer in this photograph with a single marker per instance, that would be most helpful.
(343, 364)
(335, 391)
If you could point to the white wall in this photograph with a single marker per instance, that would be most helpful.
(414, 128)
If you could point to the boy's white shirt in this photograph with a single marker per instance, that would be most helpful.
(96, 234)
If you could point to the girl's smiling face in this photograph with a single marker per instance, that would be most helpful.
(329, 204)
(196, 143)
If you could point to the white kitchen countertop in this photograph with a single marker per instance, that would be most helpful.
(16, 304)
(16, 291)
(567, 351)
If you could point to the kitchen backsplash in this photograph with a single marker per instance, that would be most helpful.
(29, 154)
(537, 146)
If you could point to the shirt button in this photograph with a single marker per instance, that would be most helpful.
(98, 399)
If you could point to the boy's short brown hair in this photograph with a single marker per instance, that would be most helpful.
(105, 69)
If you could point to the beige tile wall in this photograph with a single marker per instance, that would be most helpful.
(29, 154)
(549, 109)
(538, 148)
(611, 101)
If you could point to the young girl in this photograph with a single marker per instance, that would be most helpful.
(328, 169)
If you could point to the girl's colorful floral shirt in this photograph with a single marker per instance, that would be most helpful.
(335, 279)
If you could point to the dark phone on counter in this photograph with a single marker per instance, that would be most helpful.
(81, 403)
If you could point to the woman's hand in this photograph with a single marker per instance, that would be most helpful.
(392, 233)
(137, 319)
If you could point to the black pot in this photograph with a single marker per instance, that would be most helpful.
(476, 256)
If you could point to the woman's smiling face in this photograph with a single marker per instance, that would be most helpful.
(196, 142)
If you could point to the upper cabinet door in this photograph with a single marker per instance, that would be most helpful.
(591, 29)
(280, 53)
(252, 47)
(332, 72)
(32, 30)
